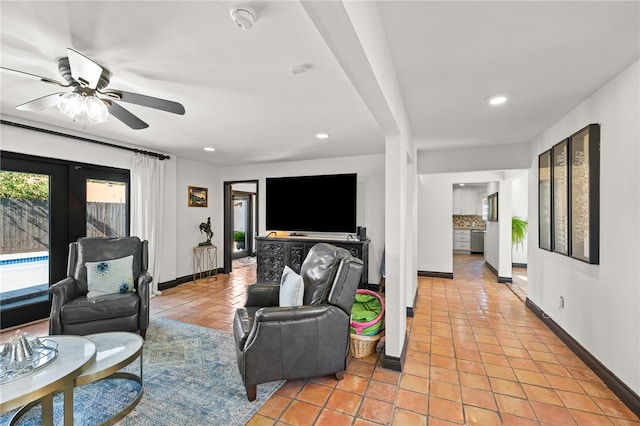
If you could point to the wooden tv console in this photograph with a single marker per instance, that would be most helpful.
(273, 253)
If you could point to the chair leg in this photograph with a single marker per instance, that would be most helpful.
(339, 375)
(251, 392)
(143, 333)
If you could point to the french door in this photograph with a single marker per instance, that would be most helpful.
(45, 205)
(242, 245)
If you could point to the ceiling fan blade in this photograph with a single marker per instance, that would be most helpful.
(148, 101)
(40, 103)
(83, 69)
(34, 77)
(126, 116)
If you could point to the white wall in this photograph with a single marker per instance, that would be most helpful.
(601, 301)
(188, 219)
(492, 236)
(519, 207)
(169, 232)
(24, 141)
(435, 208)
(485, 158)
(504, 226)
(370, 187)
(435, 216)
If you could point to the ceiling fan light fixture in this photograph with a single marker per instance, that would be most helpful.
(71, 104)
(95, 109)
(243, 17)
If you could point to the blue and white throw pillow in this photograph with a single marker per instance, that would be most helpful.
(291, 288)
(110, 276)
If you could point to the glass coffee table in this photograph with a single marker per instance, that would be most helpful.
(80, 361)
(114, 351)
(74, 356)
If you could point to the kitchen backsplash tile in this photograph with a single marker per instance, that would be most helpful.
(468, 221)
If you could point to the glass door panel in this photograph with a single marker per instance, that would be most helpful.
(106, 208)
(242, 218)
(99, 200)
(24, 253)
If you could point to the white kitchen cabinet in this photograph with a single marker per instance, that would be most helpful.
(467, 201)
(462, 201)
(461, 240)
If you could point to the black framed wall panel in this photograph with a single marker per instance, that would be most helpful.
(560, 198)
(544, 200)
(569, 207)
(584, 194)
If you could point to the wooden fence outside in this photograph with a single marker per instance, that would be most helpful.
(24, 226)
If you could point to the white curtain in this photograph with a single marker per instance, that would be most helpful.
(147, 189)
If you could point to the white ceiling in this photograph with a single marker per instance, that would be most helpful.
(241, 98)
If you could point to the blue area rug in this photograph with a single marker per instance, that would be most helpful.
(190, 378)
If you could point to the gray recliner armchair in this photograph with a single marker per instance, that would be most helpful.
(72, 312)
(275, 343)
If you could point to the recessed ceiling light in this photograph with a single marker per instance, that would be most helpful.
(322, 135)
(462, 184)
(209, 149)
(497, 99)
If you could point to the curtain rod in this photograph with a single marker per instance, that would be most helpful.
(81, 138)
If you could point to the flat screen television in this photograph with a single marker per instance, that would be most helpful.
(322, 203)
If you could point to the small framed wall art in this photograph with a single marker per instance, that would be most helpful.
(197, 196)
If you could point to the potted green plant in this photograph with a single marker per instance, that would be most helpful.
(238, 237)
(518, 231)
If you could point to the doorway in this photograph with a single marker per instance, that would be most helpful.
(240, 222)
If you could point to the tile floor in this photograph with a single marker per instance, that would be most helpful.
(476, 356)
(519, 285)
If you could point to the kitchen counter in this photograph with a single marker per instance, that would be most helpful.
(471, 228)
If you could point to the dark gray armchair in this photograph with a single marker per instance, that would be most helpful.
(72, 312)
(274, 343)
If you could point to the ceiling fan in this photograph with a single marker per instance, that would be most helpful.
(90, 95)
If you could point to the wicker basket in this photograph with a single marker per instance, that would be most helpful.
(361, 346)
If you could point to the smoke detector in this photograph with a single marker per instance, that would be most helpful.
(243, 17)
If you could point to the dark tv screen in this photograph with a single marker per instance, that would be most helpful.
(323, 203)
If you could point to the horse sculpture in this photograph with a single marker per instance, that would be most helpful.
(206, 229)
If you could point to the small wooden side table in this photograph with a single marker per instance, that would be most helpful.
(205, 259)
